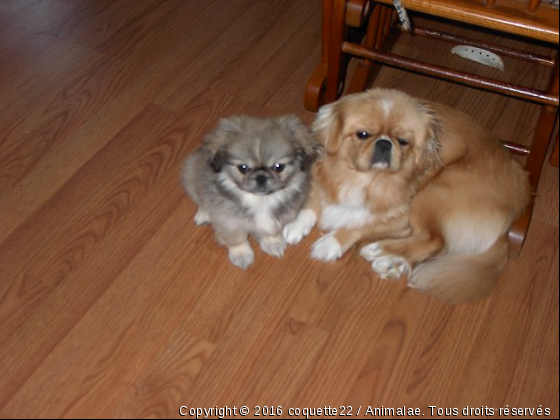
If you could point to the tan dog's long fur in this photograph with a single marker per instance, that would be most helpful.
(438, 212)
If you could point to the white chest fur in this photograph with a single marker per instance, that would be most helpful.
(350, 212)
(262, 209)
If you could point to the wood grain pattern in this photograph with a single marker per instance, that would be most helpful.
(114, 361)
(80, 236)
(163, 389)
(74, 150)
(30, 18)
(517, 323)
(113, 304)
(100, 21)
(40, 65)
(244, 46)
(541, 25)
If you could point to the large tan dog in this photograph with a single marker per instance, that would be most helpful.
(430, 191)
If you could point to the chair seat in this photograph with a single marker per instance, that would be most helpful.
(541, 25)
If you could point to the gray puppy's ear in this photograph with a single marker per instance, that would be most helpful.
(214, 146)
(219, 160)
(308, 149)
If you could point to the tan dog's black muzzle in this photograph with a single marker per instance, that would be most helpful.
(382, 152)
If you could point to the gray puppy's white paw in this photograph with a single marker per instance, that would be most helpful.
(391, 267)
(202, 217)
(242, 255)
(297, 230)
(327, 249)
(273, 245)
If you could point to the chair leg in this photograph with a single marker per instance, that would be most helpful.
(381, 23)
(363, 70)
(554, 157)
(539, 147)
(336, 72)
(544, 131)
(518, 232)
(535, 162)
(327, 81)
(315, 90)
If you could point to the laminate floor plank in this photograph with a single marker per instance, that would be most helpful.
(81, 219)
(99, 342)
(99, 21)
(30, 18)
(160, 391)
(522, 327)
(245, 50)
(9, 7)
(39, 67)
(72, 149)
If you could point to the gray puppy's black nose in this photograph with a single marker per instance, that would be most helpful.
(261, 180)
(382, 151)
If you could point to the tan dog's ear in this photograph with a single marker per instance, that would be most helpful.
(328, 126)
(307, 147)
(429, 157)
(214, 146)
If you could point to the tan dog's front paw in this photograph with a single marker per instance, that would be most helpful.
(371, 252)
(297, 230)
(327, 249)
(391, 267)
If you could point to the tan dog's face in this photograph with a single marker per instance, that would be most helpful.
(379, 130)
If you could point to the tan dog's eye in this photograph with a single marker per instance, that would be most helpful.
(403, 142)
(363, 135)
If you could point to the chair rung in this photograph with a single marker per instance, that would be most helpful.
(508, 52)
(452, 75)
(517, 149)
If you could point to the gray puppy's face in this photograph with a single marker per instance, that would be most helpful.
(262, 156)
(263, 164)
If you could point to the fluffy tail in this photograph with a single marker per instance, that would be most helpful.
(462, 278)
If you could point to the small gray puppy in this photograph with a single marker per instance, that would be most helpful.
(251, 178)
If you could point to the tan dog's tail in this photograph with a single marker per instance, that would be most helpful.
(462, 278)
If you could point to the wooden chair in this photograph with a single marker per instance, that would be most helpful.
(342, 39)
(555, 157)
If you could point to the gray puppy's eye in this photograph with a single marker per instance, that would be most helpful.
(279, 167)
(243, 169)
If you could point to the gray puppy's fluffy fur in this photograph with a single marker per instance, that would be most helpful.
(251, 178)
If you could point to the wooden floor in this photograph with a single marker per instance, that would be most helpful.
(113, 304)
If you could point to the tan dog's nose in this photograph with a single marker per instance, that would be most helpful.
(382, 152)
